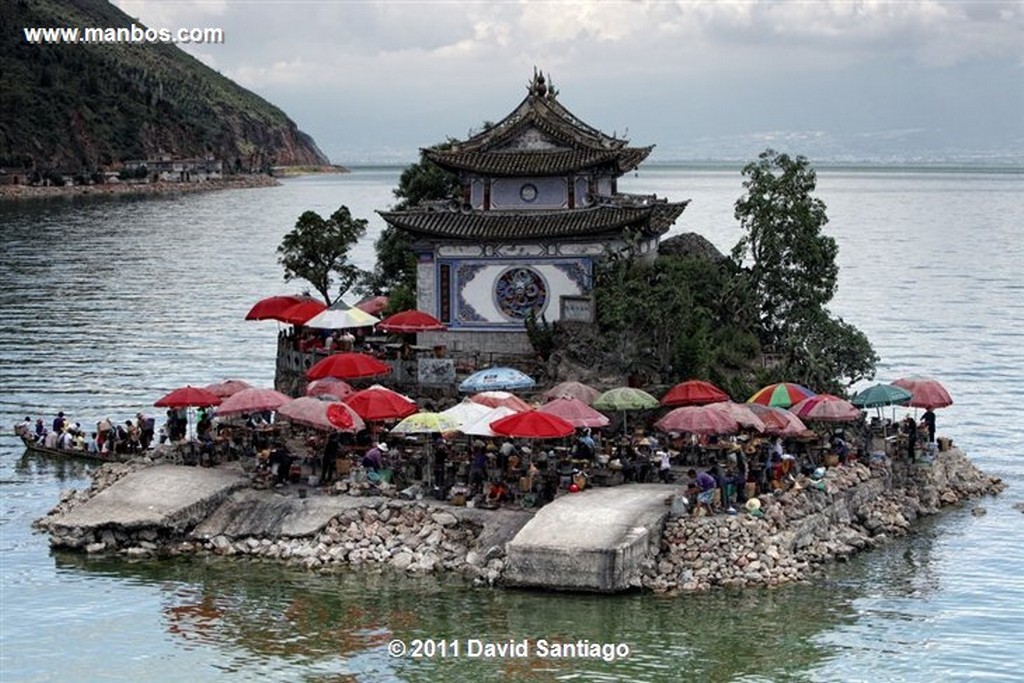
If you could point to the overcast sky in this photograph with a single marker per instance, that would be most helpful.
(847, 80)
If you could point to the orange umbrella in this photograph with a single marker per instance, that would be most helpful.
(693, 392)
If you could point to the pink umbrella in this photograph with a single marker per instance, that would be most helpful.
(228, 387)
(330, 386)
(925, 392)
(493, 399)
(698, 420)
(374, 305)
(312, 412)
(740, 412)
(252, 400)
(778, 421)
(574, 411)
(577, 390)
(826, 408)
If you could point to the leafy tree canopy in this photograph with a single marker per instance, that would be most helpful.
(317, 250)
(793, 265)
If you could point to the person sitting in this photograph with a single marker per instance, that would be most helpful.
(373, 460)
(497, 493)
(281, 465)
(40, 432)
(66, 441)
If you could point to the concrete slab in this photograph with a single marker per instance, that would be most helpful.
(266, 514)
(159, 496)
(594, 540)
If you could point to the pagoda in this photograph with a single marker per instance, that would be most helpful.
(540, 208)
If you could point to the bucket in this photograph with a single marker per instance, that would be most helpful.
(302, 493)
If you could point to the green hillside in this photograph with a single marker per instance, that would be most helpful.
(83, 106)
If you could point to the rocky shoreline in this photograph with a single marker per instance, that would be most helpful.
(19, 192)
(796, 533)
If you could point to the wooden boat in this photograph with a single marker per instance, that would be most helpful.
(29, 441)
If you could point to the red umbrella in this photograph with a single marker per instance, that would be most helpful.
(826, 408)
(698, 420)
(493, 399)
(411, 321)
(312, 412)
(272, 307)
(575, 412)
(252, 400)
(533, 425)
(228, 387)
(778, 421)
(344, 418)
(299, 313)
(373, 305)
(577, 390)
(693, 392)
(925, 392)
(330, 386)
(188, 397)
(348, 366)
(381, 403)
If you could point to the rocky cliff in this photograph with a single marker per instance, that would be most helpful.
(80, 107)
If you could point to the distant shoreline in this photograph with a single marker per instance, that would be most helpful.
(20, 192)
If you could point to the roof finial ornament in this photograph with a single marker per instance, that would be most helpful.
(551, 87)
(537, 86)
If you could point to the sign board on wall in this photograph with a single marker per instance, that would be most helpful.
(577, 309)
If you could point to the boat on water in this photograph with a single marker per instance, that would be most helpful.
(28, 439)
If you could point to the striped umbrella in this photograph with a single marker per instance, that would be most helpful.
(781, 395)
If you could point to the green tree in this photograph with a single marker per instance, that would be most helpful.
(793, 265)
(317, 250)
(793, 275)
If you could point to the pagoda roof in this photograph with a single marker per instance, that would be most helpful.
(603, 219)
(539, 137)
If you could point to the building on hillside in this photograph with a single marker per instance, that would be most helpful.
(540, 208)
(168, 169)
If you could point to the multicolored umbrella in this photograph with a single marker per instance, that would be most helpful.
(408, 322)
(380, 403)
(575, 412)
(570, 389)
(925, 392)
(880, 395)
(426, 423)
(228, 387)
(625, 399)
(341, 316)
(348, 366)
(495, 399)
(826, 408)
(329, 386)
(698, 420)
(252, 400)
(188, 397)
(693, 392)
(780, 395)
(498, 378)
(533, 424)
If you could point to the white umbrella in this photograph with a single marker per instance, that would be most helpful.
(466, 412)
(482, 425)
(341, 316)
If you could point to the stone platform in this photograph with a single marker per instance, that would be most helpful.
(595, 540)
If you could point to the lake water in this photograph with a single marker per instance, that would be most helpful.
(108, 303)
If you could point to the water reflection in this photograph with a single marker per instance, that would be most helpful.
(268, 612)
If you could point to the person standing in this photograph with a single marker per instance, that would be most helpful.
(147, 425)
(665, 467)
(928, 419)
(330, 459)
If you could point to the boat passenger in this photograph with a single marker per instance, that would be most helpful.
(40, 431)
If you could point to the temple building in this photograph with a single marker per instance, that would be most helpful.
(540, 208)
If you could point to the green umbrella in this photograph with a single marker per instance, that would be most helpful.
(881, 395)
(624, 399)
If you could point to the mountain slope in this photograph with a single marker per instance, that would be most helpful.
(86, 106)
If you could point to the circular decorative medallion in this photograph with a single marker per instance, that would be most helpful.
(528, 192)
(520, 291)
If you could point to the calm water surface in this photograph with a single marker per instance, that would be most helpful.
(109, 303)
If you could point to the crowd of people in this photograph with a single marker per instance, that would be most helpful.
(109, 438)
